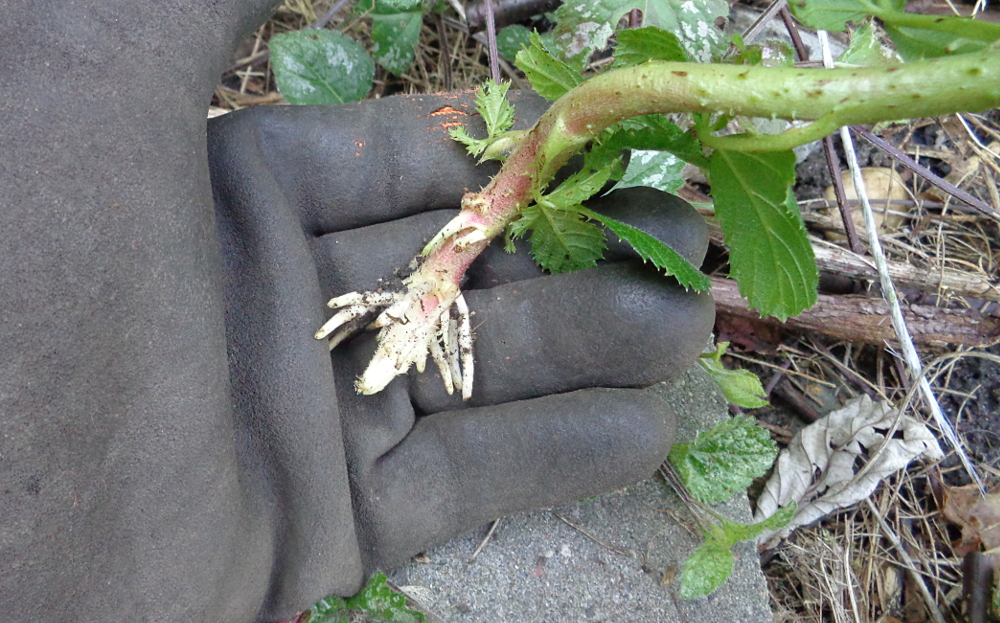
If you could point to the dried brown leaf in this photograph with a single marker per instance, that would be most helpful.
(818, 469)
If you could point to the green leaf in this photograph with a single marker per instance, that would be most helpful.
(395, 34)
(914, 44)
(475, 146)
(730, 532)
(583, 27)
(330, 609)
(866, 50)
(778, 520)
(770, 254)
(638, 45)
(830, 14)
(493, 106)
(711, 563)
(656, 169)
(562, 240)
(916, 36)
(512, 39)
(327, 605)
(706, 569)
(655, 133)
(377, 601)
(549, 76)
(770, 53)
(724, 460)
(656, 251)
(381, 604)
(497, 112)
(401, 5)
(576, 189)
(741, 387)
(321, 67)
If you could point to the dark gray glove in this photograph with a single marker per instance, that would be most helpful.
(175, 444)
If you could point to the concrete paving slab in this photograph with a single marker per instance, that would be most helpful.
(599, 560)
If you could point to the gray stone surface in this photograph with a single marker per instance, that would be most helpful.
(538, 568)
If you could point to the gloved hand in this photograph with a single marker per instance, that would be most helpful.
(176, 444)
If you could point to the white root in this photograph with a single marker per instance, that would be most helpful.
(465, 345)
(339, 319)
(437, 354)
(409, 332)
(461, 223)
(450, 342)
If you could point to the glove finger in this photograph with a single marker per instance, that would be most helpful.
(666, 217)
(358, 259)
(617, 325)
(456, 471)
(347, 166)
(362, 259)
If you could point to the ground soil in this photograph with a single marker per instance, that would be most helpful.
(977, 413)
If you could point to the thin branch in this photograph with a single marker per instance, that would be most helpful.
(926, 173)
(445, 60)
(932, 607)
(750, 34)
(591, 536)
(263, 57)
(793, 31)
(491, 38)
(323, 21)
(889, 292)
(486, 539)
(828, 150)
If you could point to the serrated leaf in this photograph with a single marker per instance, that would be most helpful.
(549, 77)
(639, 45)
(331, 609)
(656, 169)
(655, 133)
(770, 254)
(576, 189)
(475, 146)
(395, 34)
(653, 250)
(724, 460)
(320, 67)
(603, 155)
(561, 239)
(497, 112)
(381, 604)
(706, 569)
(584, 27)
(512, 39)
(741, 387)
(492, 104)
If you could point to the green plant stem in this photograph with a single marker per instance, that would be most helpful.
(836, 97)
(828, 97)
(967, 28)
